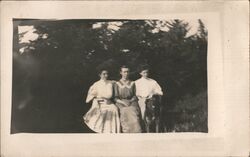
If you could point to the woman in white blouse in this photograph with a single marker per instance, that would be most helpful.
(103, 116)
(146, 88)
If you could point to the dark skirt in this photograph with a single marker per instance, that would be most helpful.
(130, 117)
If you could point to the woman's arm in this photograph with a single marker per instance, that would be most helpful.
(157, 89)
(134, 98)
(92, 93)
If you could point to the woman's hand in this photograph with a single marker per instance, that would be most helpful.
(123, 102)
(126, 102)
(102, 101)
(133, 99)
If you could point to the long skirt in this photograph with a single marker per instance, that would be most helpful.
(103, 118)
(130, 118)
(142, 104)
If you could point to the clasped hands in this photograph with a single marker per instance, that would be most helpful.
(103, 101)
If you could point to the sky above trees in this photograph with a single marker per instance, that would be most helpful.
(28, 33)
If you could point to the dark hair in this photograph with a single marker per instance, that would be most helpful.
(123, 66)
(143, 67)
(101, 69)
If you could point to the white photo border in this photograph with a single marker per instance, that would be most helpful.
(224, 118)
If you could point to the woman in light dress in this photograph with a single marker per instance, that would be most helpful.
(146, 89)
(103, 116)
(127, 102)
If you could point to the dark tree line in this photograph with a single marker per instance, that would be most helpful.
(51, 77)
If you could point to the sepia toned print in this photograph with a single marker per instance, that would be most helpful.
(56, 62)
(42, 112)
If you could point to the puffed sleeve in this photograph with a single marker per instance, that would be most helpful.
(92, 93)
(157, 89)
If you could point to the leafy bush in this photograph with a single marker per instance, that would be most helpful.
(192, 111)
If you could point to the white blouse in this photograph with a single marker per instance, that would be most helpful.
(100, 89)
(147, 88)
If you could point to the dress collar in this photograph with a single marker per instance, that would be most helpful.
(147, 79)
(123, 83)
(103, 81)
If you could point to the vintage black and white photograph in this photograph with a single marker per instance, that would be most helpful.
(109, 76)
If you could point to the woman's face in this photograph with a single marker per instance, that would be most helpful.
(124, 72)
(104, 75)
(145, 73)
